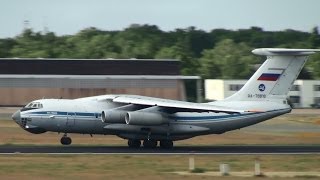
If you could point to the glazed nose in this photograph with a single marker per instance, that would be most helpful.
(16, 117)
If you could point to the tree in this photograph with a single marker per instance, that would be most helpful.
(228, 60)
(315, 38)
(33, 45)
(314, 65)
(5, 47)
(139, 41)
(195, 40)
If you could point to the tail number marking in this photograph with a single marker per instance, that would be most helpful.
(258, 96)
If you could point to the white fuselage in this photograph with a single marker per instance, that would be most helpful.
(84, 116)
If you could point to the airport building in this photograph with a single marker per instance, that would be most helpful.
(23, 80)
(303, 94)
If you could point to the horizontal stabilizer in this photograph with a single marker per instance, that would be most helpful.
(284, 52)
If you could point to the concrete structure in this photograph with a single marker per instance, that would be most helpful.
(24, 80)
(303, 94)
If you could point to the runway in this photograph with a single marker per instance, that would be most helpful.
(74, 149)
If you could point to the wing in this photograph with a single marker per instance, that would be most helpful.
(169, 106)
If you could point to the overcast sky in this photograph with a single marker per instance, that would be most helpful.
(70, 16)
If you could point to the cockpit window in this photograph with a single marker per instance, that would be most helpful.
(31, 106)
(34, 105)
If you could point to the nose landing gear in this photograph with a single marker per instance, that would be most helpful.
(65, 140)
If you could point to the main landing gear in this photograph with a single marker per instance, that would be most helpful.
(65, 140)
(135, 143)
(166, 144)
(150, 143)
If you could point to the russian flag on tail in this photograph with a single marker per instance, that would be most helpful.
(269, 77)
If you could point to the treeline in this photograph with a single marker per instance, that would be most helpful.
(219, 53)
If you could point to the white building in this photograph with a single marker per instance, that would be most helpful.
(303, 94)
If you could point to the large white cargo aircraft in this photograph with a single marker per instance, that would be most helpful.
(153, 120)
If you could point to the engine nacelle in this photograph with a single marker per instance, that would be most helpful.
(113, 116)
(145, 118)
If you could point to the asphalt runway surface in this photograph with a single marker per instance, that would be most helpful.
(76, 149)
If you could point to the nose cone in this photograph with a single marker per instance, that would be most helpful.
(16, 117)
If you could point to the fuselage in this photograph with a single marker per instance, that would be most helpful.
(84, 116)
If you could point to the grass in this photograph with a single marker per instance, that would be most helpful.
(141, 167)
(198, 170)
(307, 177)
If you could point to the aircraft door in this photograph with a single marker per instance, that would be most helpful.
(71, 119)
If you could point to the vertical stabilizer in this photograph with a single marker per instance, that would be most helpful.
(273, 80)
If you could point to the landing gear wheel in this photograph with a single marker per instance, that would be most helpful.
(65, 140)
(150, 143)
(166, 144)
(134, 143)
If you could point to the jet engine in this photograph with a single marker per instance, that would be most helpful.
(145, 118)
(113, 116)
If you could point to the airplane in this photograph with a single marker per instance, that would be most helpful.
(159, 122)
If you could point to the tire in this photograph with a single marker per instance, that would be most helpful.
(166, 144)
(134, 143)
(65, 141)
(150, 143)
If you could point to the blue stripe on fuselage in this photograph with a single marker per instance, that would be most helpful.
(64, 113)
(176, 118)
(209, 117)
(212, 118)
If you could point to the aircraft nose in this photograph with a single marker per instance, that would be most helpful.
(16, 116)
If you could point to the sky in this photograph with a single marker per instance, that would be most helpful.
(70, 16)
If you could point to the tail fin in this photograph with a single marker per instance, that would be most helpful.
(273, 80)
